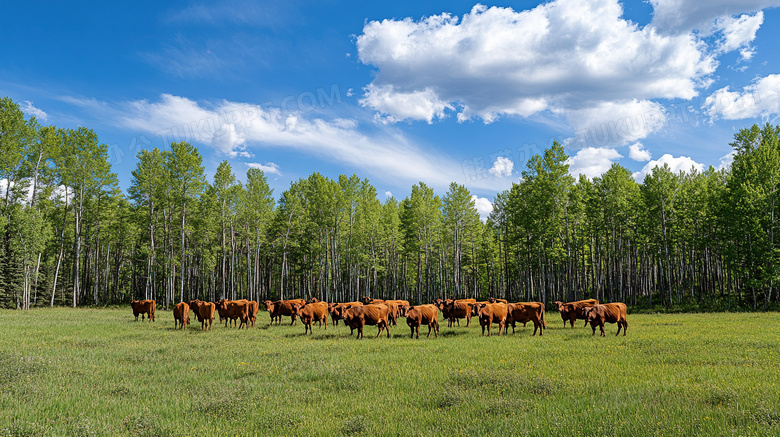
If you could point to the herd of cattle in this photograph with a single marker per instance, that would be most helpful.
(385, 313)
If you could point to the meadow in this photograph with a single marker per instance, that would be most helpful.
(98, 372)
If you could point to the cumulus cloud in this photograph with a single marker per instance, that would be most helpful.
(267, 168)
(29, 109)
(399, 106)
(388, 194)
(483, 205)
(676, 164)
(762, 99)
(676, 16)
(497, 61)
(637, 152)
(502, 167)
(592, 162)
(614, 123)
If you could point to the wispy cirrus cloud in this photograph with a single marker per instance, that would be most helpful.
(268, 167)
(238, 129)
(28, 108)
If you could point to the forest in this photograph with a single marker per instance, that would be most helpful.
(71, 237)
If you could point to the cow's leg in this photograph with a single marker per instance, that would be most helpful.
(594, 328)
(468, 320)
(625, 327)
(436, 328)
(603, 333)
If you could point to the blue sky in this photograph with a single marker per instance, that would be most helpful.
(400, 92)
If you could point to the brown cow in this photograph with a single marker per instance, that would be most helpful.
(194, 305)
(337, 310)
(222, 310)
(422, 315)
(310, 313)
(542, 319)
(206, 311)
(284, 308)
(392, 313)
(475, 306)
(494, 300)
(366, 300)
(490, 313)
(357, 316)
(144, 307)
(401, 304)
(239, 309)
(572, 311)
(460, 309)
(232, 313)
(254, 307)
(271, 307)
(524, 312)
(609, 313)
(181, 315)
(444, 307)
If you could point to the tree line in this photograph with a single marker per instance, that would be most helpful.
(70, 236)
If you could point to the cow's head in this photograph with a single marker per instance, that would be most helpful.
(558, 305)
(589, 313)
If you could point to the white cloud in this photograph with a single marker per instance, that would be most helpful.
(496, 61)
(502, 167)
(398, 106)
(676, 164)
(267, 168)
(483, 205)
(675, 16)
(592, 162)
(746, 54)
(388, 194)
(614, 123)
(738, 33)
(637, 152)
(762, 99)
(726, 160)
(237, 129)
(29, 109)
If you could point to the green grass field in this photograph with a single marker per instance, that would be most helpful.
(98, 372)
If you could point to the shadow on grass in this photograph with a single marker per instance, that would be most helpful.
(449, 334)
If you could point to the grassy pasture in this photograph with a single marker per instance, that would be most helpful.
(98, 372)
